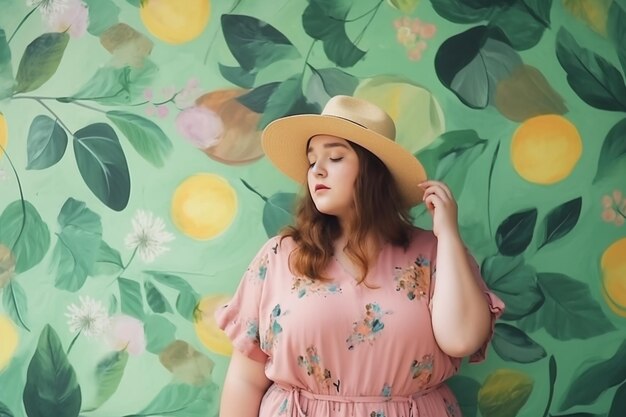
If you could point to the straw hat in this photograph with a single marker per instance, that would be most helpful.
(284, 141)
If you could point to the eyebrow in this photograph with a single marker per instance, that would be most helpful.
(329, 145)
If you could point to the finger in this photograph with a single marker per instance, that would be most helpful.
(438, 184)
(433, 202)
(438, 191)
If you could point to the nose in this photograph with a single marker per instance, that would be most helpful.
(318, 169)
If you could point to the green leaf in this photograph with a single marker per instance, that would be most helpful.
(255, 43)
(46, 143)
(40, 61)
(112, 305)
(516, 232)
(521, 25)
(6, 69)
(51, 389)
(596, 81)
(515, 283)
(512, 344)
(458, 11)
(278, 212)
(282, 100)
(24, 232)
(449, 156)
(157, 302)
(183, 400)
(116, 86)
(108, 261)
(472, 64)
(102, 15)
(256, 99)
(560, 221)
(146, 136)
(4, 411)
(613, 151)
(78, 245)
(102, 164)
(466, 392)
(109, 372)
(594, 378)
(619, 402)
(616, 29)
(237, 76)
(540, 10)
(569, 311)
(160, 332)
(15, 303)
(186, 303)
(172, 281)
(326, 21)
(130, 298)
(335, 81)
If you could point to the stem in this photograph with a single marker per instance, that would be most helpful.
(72, 342)
(54, 114)
(306, 60)
(493, 164)
(89, 107)
(22, 22)
(206, 55)
(552, 370)
(23, 203)
(374, 10)
(124, 267)
(249, 187)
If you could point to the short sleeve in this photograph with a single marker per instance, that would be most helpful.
(239, 318)
(496, 306)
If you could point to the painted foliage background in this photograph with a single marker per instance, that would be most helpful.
(134, 192)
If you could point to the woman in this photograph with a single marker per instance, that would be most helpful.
(341, 315)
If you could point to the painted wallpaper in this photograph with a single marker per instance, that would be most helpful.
(134, 191)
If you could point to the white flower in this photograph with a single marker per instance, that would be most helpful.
(48, 7)
(89, 318)
(148, 236)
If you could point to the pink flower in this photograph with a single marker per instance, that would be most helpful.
(614, 208)
(427, 30)
(148, 94)
(201, 127)
(126, 333)
(186, 97)
(162, 111)
(73, 18)
(415, 53)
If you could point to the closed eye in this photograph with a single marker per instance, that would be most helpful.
(336, 159)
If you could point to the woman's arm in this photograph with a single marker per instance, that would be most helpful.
(460, 312)
(244, 387)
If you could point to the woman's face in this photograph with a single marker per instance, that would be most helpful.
(333, 169)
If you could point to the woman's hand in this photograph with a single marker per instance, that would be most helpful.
(441, 205)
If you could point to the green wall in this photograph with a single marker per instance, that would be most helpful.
(134, 192)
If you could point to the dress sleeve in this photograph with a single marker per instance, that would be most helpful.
(239, 318)
(496, 306)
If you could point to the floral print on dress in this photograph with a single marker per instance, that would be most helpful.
(252, 331)
(386, 391)
(273, 330)
(377, 414)
(283, 407)
(368, 328)
(304, 286)
(259, 268)
(414, 279)
(422, 370)
(311, 362)
(452, 409)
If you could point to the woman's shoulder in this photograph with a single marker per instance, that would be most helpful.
(280, 245)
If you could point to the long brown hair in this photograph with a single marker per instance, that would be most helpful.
(379, 212)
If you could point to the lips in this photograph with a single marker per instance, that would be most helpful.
(321, 187)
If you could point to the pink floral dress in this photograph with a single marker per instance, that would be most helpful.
(341, 349)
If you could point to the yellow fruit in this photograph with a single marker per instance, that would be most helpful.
(504, 393)
(4, 134)
(175, 21)
(593, 12)
(414, 110)
(8, 341)
(545, 149)
(613, 265)
(204, 206)
(211, 336)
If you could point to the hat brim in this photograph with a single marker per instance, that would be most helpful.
(284, 142)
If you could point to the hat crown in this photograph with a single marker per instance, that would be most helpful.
(361, 112)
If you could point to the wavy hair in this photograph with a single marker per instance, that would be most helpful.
(379, 212)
